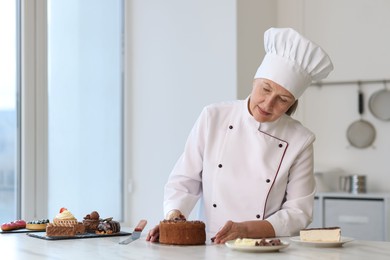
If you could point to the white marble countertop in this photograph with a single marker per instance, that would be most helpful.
(21, 246)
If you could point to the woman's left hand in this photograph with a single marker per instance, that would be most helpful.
(231, 230)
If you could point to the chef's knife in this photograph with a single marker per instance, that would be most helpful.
(136, 233)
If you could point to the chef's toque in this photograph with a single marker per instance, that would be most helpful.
(292, 61)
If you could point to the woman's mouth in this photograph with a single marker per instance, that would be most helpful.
(263, 112)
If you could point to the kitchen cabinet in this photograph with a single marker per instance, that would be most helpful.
(360, 216)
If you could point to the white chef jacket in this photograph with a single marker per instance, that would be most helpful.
(245, 170)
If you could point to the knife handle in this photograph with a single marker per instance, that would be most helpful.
(141, 225)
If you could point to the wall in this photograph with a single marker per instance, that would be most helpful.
(186, 55)
(182, 57)
(354, 33)
(254, 17)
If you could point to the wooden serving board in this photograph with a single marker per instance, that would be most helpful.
(85, 235)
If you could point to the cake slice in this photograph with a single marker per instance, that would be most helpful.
(64, 230)
(330, 234)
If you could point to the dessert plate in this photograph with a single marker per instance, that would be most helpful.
(246, 248)
(342, 241)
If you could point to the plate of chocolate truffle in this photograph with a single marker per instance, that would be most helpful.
(257, 245)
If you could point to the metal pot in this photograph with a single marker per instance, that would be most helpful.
(352, 183)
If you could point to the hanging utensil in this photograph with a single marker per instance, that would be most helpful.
(379, 103)
(361, 133)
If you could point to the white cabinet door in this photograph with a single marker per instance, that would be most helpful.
(358, 218)
(317, 212)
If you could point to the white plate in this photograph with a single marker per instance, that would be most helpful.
(342, 241)
(230, 244)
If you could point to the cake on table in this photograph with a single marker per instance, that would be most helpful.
(108, 226)
(64, 217)
(37, 224)
(64, 224)
(182, 232)
(91, 222)
(329, 234)
(64, 230)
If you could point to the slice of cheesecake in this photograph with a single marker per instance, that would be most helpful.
(329, 234)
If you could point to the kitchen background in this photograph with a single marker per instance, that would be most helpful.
(186, 54)
(181, 56)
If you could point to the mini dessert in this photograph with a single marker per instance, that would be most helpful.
(64, 229)
(182, 232)
(65, 217)
(14, 225)
(37, 224)
(257, 242)
(108, 226)
(91, 222)
(64, 225)
(330, 234)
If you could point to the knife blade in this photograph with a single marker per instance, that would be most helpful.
(136, 233)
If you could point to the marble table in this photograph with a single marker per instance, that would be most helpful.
(21, 246)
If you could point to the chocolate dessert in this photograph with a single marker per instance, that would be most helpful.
(182, 232)
(64, 230)
(108, 226)
(91, 222)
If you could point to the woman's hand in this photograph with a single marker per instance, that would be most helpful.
(231, 230)
(154, 234)
(175, 215)
(247, 229)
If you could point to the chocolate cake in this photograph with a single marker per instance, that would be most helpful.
(64, 230)
(91, 222)
(108, 226)
(182, 232)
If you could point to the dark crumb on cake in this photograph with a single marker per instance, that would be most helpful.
(272, 242)
(181, 221)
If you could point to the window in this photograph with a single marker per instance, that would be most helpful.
(66, 96)
(9, 74)
(85, 106)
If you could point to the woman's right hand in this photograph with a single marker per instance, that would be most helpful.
(154, 234)
(175, 215)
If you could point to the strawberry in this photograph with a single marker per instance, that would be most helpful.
(63, 209)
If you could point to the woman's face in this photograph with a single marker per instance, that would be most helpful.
(268, 100)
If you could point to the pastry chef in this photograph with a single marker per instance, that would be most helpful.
(249, 161)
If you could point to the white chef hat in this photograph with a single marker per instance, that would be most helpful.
(292, 61)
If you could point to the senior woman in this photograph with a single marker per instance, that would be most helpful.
(249, 161)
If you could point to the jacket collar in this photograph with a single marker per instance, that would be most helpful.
(267, 127)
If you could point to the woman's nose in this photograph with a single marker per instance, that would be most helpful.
(269, 102)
